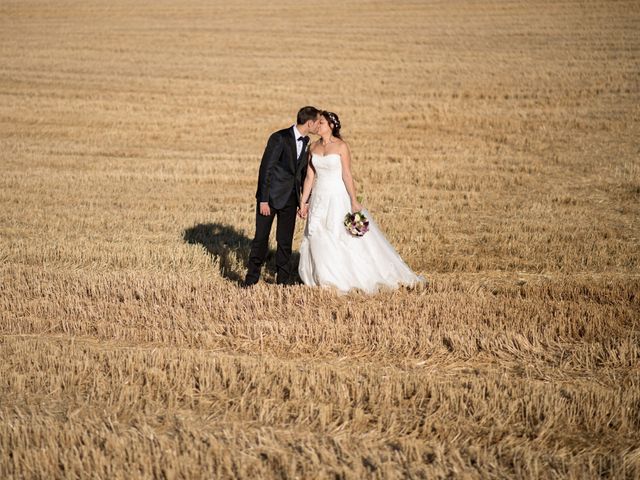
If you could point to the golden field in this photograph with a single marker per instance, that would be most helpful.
(497, 145)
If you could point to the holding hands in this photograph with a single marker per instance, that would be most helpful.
(303, 210)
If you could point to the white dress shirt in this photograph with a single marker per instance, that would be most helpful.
(299, 143)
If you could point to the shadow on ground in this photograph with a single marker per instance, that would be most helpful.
(232, 246)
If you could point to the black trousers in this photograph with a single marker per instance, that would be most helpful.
(284, 237)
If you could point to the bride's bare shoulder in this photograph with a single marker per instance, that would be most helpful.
(343, 146)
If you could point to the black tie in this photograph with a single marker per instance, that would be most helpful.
(304, 141)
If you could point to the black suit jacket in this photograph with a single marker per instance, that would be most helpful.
(280, 172)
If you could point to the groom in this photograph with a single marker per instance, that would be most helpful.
(282, 172)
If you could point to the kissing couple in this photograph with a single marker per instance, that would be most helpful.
(314, 181)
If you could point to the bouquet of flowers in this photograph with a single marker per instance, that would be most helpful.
(356, 223)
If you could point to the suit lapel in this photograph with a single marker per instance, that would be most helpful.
(303, 159)
(292, 147)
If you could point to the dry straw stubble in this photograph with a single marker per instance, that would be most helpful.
(503, 133)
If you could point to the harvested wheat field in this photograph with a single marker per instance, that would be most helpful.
(497, 145)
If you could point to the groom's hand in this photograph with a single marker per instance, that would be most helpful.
(264, 209)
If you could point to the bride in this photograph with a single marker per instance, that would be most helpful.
(329, 254)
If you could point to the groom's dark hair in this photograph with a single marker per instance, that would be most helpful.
(307, 113)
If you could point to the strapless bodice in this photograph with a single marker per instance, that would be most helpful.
(327, 163)
(328, 170)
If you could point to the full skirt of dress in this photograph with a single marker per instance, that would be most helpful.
(330, 256)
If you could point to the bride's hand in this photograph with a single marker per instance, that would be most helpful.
(303, 210)
(355, 206)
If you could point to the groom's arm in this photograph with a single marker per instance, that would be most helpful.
(271, 154)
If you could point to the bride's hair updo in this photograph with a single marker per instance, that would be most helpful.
(334, 122)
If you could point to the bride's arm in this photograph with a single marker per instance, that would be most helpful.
(347, 178)
(306, 189)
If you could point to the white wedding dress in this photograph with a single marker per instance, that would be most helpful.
(331, 256)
